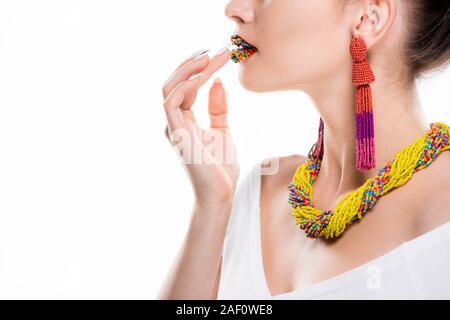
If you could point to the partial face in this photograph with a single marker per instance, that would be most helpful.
(299, 42)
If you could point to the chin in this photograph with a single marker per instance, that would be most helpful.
(254, 76)
(257, 82)
(251, 78)
(252, 84)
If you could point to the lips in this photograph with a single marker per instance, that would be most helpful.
(243, 51)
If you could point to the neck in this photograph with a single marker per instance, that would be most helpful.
(398, 121)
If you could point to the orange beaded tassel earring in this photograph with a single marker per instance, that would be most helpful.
(362, 77)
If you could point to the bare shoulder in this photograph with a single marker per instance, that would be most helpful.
(435, 183)
(278, 171)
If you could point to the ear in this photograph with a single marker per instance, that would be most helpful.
(374, 18)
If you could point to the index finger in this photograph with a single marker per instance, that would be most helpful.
(195, 54)
(216, 62)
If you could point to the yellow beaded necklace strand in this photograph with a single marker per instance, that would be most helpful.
(331, 223)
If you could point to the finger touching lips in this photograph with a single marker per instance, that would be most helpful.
(189, 69)
(215, 63)
(193, 56)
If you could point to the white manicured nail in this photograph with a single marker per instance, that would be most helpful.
(222, 50)
(199, 53)
(195, 76)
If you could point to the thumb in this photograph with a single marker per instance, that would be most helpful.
(217, 105)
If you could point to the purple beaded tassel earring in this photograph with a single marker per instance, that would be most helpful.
(362, 77)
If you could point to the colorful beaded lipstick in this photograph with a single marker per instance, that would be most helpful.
(243, 51)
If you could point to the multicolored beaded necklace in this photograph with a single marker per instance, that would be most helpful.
(331, 223)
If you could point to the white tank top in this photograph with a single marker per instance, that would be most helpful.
(417, 269)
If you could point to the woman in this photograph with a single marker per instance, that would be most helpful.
(401, 249)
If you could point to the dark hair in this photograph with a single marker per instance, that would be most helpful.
(427, 46)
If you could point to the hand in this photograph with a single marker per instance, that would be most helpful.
(208, 156)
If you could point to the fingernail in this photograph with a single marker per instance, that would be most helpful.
(217, 80)
(222, 50)
(195, 76)
(199, 53)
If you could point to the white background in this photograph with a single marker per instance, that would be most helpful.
(93, 200)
